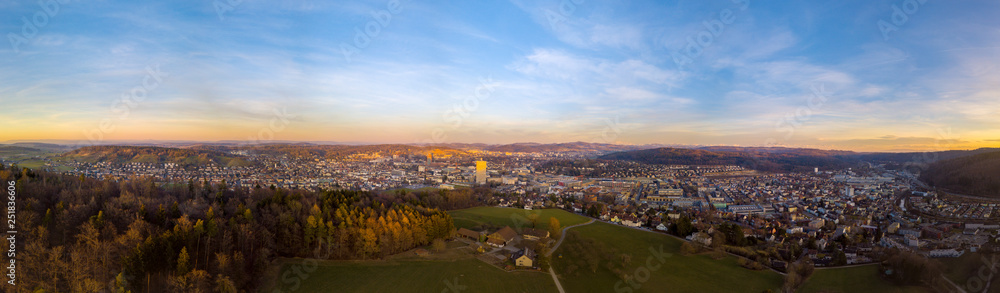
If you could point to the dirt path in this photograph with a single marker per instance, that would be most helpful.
(563, 236)
(554, 247)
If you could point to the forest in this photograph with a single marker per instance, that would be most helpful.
(87, 235)
(780, 159)
(760, 159)
(343, 151)
(971, 175)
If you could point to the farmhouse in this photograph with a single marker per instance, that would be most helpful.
(501, 237)
(462, 232)
(524, 257)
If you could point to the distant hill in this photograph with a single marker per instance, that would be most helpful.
(25, 151)
(977, 175)
(780, 150)
(531, 147)
(926, 157)
(48, 147)
(781, 159)
(18, 150)
(153, 155)
(31, 149)
(564, 147)
(343, 151)
(762, 159)
(774, 159)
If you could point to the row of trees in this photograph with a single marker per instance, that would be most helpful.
(87, 235)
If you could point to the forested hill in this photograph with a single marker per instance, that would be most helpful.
(200, 155)
(153, 155)
(977, 175)
(780, 159)
(761, 159)
(88, 235)
(922, 157)
(344, 151)
(563, 147)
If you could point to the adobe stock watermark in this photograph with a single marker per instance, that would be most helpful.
(980, 282)
(899, 17)
(456, 116)
(222, 7)
(944, 138)
(452, 286)
(566, 9)
(363, 36)
(802, 114)
(293, 275)
(523, 219)
(612, 129)
(48, 9)
(278, 123)
(127, 102)
(642, 274)
(699, 42)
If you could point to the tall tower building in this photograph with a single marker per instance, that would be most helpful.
(480, 172)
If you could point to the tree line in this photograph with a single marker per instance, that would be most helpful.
(88, 235)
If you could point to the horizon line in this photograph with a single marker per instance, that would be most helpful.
(77, 144)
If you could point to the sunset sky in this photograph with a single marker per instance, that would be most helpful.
(817, 74)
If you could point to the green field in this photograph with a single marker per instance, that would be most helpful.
(696, 273)
(961, 270)
(676, 273)
(411, 276)
(62, 168)
(16, 153)
(859, 279)
(31, 164)
(512, 217)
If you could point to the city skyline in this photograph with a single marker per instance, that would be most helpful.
(855, 75)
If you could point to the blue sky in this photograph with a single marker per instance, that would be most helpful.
(791, 73)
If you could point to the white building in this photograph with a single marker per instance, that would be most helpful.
(946, 253)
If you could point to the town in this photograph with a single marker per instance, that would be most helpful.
(832, 217)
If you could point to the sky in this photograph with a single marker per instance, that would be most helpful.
(864, 75)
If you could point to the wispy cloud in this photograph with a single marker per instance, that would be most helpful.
(559, 71)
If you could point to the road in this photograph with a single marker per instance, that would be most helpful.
(562, 237)
(554, 279)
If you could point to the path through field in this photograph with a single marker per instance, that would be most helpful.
(553, 249)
